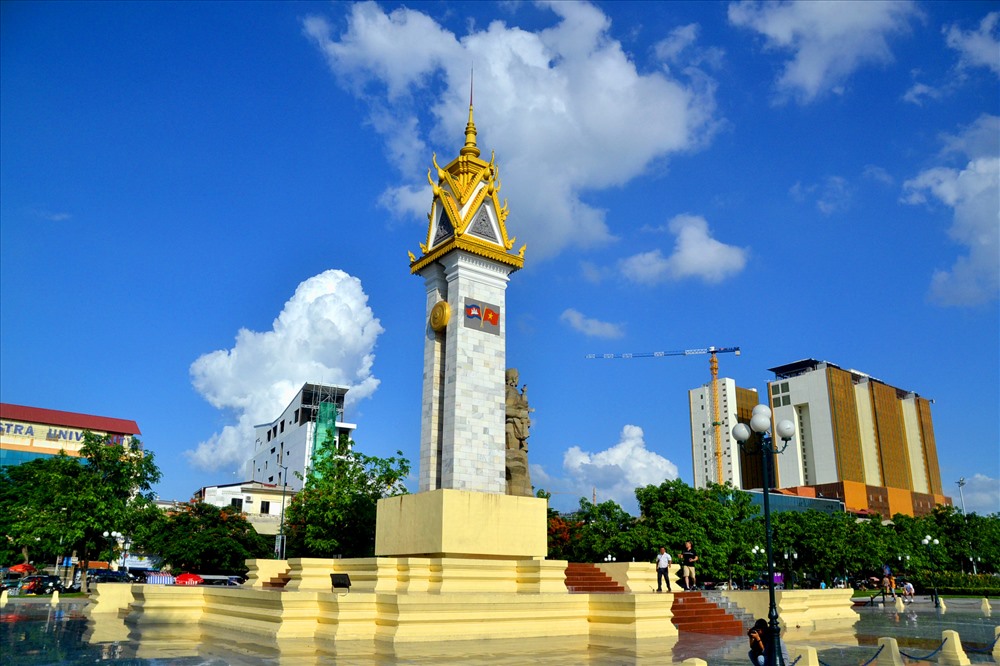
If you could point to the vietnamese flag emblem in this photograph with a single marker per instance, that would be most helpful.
(491, 317)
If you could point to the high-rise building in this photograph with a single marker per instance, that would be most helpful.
(735, 405)
(857, 439)
(283, 450)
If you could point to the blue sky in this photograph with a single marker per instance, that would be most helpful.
(205, 205)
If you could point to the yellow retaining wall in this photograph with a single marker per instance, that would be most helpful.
(167, 604)
(109, 598)
(261, 571)
(398, 601)
(801, 611)
(631, 616)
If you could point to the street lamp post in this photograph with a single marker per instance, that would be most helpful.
(929, 541)
(281, 529)
(760, 423)
(118, 536)
(790, 558)
(961, 483)
(757, 550)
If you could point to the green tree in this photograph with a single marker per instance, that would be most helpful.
(731, 522)
(604, 530)
(334, 513)
(65, 504)
(202, 538)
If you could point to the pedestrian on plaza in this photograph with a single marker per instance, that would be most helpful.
(688, 558)
(663, 561)
(908, 591)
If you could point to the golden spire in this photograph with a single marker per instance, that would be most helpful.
(466, 213)
(470, 147)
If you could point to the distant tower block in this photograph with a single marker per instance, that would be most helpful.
(465, 264)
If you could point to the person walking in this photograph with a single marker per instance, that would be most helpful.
(663, 561)
(688, 558)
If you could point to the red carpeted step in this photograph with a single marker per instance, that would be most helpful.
(587, 578)
(692, 612)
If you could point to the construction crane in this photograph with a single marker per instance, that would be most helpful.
(713, 365)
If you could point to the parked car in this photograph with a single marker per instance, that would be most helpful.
(95, 576)
(9, 582)
(108, 576)
(40, 584)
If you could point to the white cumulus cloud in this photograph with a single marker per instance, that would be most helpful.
(828, 39)
(982, 495)
(832, 195)
(564, 108)
(325, 333)
(977, 48)
(695, 255)
(971, 191)
(615, 472)
(593, 328)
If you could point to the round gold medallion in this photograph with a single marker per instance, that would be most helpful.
(440, 314)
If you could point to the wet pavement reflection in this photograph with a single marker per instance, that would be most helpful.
(32, 632)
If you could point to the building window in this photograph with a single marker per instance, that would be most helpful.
(237, 503)
(265, 507)
(296, 419)
(785, 400)
(282, 425)
(776, 401)
(270, 479)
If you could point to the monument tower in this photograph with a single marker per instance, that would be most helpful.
(465, 266)
(461, 508)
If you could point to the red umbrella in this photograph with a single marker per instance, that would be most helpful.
(23, 568)
(188, 579)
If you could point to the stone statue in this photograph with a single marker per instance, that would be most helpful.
(518, 422)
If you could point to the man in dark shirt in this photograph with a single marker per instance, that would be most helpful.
(688, 558)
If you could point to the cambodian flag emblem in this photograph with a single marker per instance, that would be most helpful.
(472, 312)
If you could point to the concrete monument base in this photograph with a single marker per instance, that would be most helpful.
(407, 600)
(463, 524)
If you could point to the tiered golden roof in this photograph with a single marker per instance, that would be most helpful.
(466, 213)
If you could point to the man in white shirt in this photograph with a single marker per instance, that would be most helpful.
(663, 569)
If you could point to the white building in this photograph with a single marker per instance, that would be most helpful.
(283, 449)
(734, 402)
(263, 503)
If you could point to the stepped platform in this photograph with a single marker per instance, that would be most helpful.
(587, 578)
(694, 612)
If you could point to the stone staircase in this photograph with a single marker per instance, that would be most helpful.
(278, 582)
(587, 578)
(696, 612)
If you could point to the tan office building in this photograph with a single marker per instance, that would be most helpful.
(857, 439)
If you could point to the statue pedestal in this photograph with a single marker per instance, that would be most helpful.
(463, 524)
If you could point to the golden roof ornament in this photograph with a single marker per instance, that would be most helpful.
(466, 213)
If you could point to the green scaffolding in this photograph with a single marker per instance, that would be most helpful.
(326, 424)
